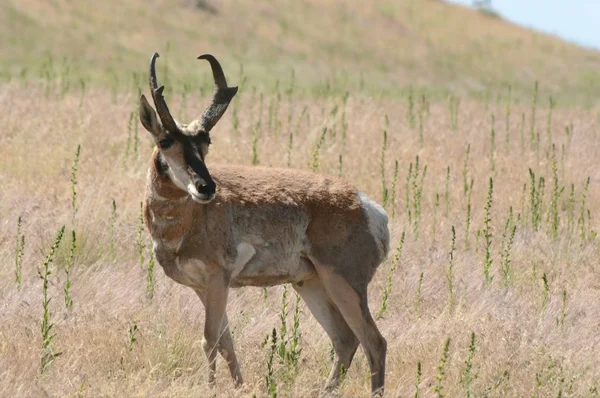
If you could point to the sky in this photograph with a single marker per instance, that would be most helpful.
(573, 20)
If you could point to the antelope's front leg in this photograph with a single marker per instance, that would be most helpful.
(225, 346)
(214, 298)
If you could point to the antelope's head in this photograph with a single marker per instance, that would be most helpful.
(183, 147)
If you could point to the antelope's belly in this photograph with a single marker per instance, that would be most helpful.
(268, 265)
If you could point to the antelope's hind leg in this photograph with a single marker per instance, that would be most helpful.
(327, 314)
(354, 307)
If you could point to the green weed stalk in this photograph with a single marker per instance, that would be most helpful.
(132, 336)
(469, 215)
(388, 286)
(136, 134)
(113, 231)
(450, 271)
(408, 204)
(487, 234)
(291, 137)
(255, 140)
(571, 209)
(283, 328)
(314, 163)
(545, 291)
(294, 350)
(47, 354)
(394, 182)
(417, 196)
(74, 168)
(441, 370)
(418, 383)
(569, 134)
(536, 198)
(140, 245)
(150, 283)
(467, 378)
(130, 124)
(235, 119)
(551, 104)
(68, 270)
(344, 122)
(508, 237)
(532, 133)
(271, 383)
(556, 193)
(581, 220)
(266, 297)
(19, 252)
(384, 188)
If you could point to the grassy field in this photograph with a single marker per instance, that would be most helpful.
(494, 293)
(378, 48)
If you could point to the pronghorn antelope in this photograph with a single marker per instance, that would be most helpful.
(250, 226)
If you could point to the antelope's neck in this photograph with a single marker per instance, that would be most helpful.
(168, 209)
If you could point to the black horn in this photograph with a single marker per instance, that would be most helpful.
(159, 100)
(222, 95)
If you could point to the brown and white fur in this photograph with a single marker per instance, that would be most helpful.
(251, 226)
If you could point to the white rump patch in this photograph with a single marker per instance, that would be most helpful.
(378, 223)
(245, 252)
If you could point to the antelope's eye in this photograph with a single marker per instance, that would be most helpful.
(166, 143)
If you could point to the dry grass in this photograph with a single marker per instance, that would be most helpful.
(520, 350)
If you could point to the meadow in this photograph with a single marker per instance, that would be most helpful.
(491, 288)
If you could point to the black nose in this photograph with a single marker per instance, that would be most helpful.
(205, 187)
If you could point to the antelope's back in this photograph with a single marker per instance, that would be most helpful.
(338, 219)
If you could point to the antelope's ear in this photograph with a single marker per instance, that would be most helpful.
(148, 117)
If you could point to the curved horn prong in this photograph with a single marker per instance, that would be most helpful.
(222, 95)
(218, 75)
(159, 100)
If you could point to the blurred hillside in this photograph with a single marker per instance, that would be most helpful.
(376, 47)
